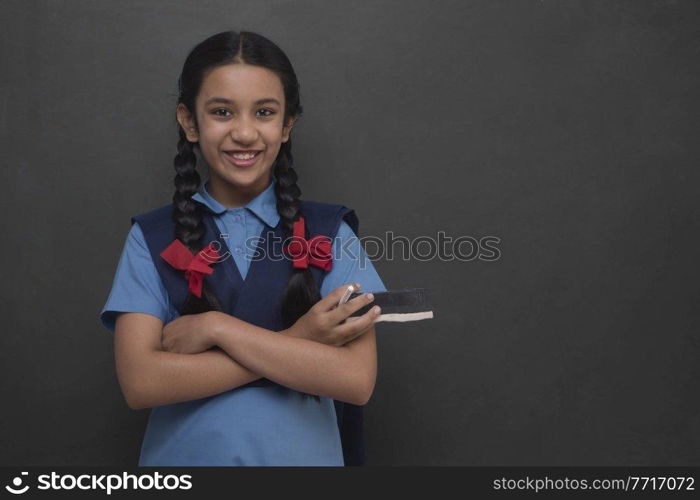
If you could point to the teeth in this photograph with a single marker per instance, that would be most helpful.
(246, 156)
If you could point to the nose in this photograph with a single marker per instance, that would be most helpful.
(243, 131)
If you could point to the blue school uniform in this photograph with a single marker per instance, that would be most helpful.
(261, 423)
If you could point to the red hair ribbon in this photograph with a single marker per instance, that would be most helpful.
(315, 251)
(195, 266)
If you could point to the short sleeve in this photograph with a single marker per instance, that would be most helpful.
(137, 287)
(350, 264)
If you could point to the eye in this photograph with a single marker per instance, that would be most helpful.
(266, 112)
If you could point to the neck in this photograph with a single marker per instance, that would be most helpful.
(234, 196)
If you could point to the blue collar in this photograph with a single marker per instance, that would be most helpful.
(264, 206)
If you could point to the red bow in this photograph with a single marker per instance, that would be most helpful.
(315, 251)
(195, 266)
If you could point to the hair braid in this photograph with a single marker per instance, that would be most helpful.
(189, 223)
(302, 292)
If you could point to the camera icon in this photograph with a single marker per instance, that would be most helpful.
(17, 483)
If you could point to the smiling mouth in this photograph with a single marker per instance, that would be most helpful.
(243, 158)
(242, 152)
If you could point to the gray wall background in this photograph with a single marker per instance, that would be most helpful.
(568, 129)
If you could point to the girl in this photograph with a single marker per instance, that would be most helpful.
(256, 363)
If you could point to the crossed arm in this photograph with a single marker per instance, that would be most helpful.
(150, 376)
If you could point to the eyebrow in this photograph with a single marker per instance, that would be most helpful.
(229, 101)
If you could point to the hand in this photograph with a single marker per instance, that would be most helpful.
(189, 334)
(326, 323)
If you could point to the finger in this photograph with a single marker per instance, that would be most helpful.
(344, 311)
(359, 327)
(355, 325)
(331, 300)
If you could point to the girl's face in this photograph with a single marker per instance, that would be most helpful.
(239, 107)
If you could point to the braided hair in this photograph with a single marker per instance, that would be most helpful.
(189, 224)
(250, 48)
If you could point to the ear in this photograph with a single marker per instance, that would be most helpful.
(286, 130)
(186, 121)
